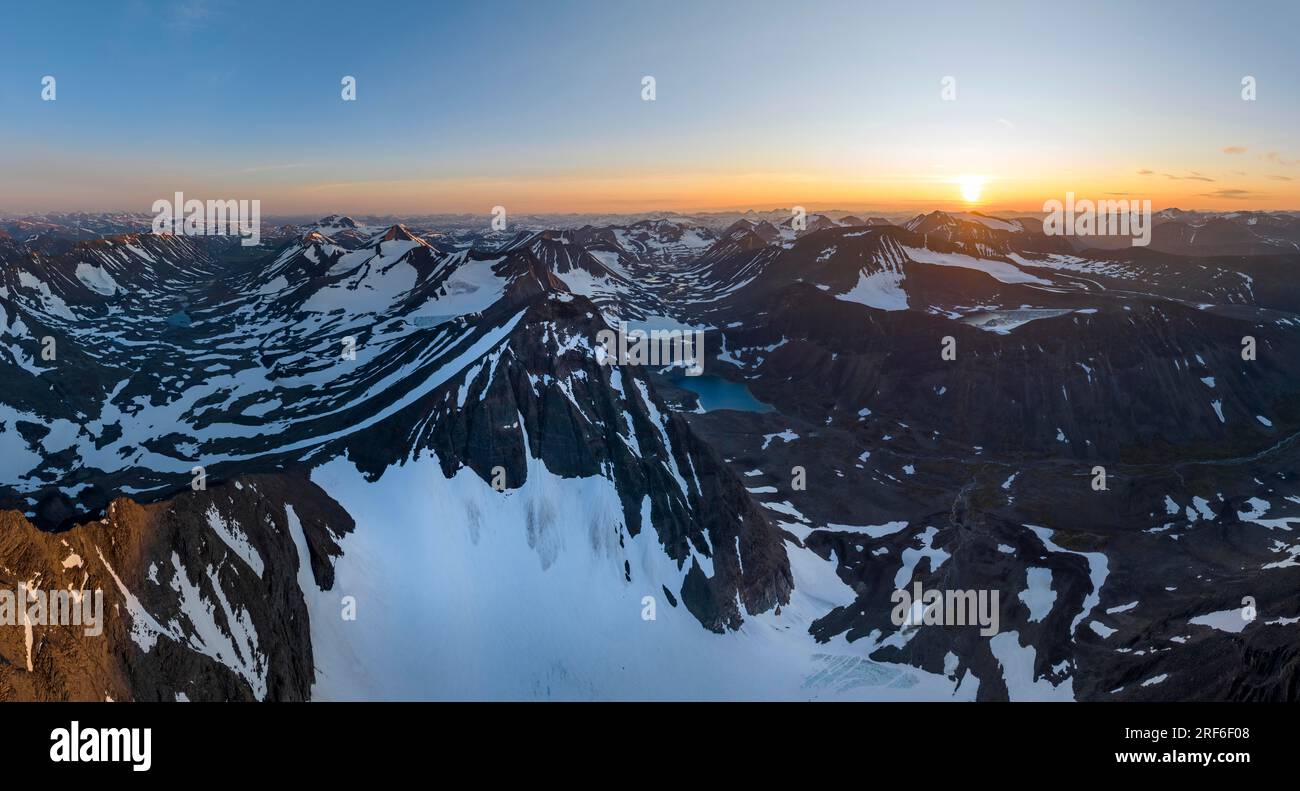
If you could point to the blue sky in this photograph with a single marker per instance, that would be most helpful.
(539, 104)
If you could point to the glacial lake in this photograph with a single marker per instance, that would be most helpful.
(718, 393)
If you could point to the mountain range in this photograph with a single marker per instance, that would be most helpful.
(386, 459)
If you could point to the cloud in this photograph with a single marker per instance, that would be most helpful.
(1006, 123)
(1232, 194)
(1192, 176)
(1235, 150)
(1146, 172)
(1280, 178)
(1273, 156)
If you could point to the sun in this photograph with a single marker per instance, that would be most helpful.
(971, 187)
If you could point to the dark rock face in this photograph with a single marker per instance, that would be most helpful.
(200, 596)
(542, 394)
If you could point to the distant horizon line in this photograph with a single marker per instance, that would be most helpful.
(22, 214)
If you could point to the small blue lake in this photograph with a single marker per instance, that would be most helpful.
(718, 393)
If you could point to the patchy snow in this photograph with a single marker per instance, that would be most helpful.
(1203, 510)
(875, 531)
(784, 436)
(1017, 663)
(912, 555)
(1098, 569)
(97, 279)
(1038, 597)
(1101, 629)
(1001, 271)
(234, 536)
(882, 290)
(1224, 620)
(1171, 507)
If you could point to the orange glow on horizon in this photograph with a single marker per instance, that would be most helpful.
(740, 192)
(700, 191)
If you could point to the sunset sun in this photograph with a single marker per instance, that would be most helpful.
(971, 187)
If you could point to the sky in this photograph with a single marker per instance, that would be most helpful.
(538, 106)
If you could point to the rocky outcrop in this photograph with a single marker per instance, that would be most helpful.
(200, 596)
